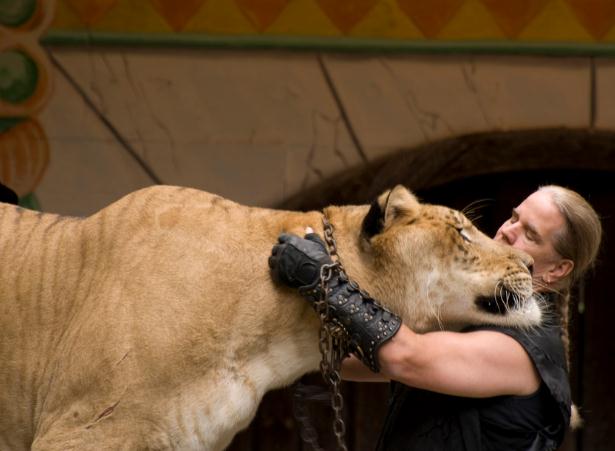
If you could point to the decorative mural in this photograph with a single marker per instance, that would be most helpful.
(539, 21)
(25, 86)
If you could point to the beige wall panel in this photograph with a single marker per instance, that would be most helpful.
(88, 168)
(605, 94)
(254, 127)
(401, 101)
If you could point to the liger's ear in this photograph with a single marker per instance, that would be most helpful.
(400, 202)
(387, 208)
(373, 221)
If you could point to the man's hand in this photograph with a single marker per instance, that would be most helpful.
(296, 261)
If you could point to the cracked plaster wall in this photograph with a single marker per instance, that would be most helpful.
(258, 127)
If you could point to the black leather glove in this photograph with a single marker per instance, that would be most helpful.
(297, 263)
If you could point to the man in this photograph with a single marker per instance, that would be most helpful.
(488, 387)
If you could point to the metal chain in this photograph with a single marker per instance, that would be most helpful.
(307, 431)
(331, 244)
(333, 346)
(333, 342)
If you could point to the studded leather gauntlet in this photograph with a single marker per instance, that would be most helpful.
(297, 262)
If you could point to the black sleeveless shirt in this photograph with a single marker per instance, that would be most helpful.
(423, 421)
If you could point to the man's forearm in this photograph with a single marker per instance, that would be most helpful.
(473, 364)
(356, 371)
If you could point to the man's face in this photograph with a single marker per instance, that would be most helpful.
(532, 228)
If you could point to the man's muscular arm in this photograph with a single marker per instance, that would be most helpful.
(472, 364)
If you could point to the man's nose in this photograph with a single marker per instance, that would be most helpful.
(508, 234)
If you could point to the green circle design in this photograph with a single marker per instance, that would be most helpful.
(7, 123)
(16, 12)
(18, 76)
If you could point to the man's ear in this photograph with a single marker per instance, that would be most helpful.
(386, 208)
(560, 270)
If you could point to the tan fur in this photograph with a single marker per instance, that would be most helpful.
(154, 323)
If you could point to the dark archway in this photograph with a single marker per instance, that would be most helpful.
(499, 169)
(438, 163)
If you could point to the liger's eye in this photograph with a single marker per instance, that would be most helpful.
(464, 234)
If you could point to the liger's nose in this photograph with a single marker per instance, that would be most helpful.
(527, 260)
(522, 257)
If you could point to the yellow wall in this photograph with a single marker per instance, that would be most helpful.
(515, 20)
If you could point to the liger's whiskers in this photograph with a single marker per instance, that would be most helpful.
(439, 317)
(538, 283)
(496, 289)
(472, 208)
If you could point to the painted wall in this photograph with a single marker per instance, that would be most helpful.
(81, 125)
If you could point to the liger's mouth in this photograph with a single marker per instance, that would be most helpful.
(498, 305)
